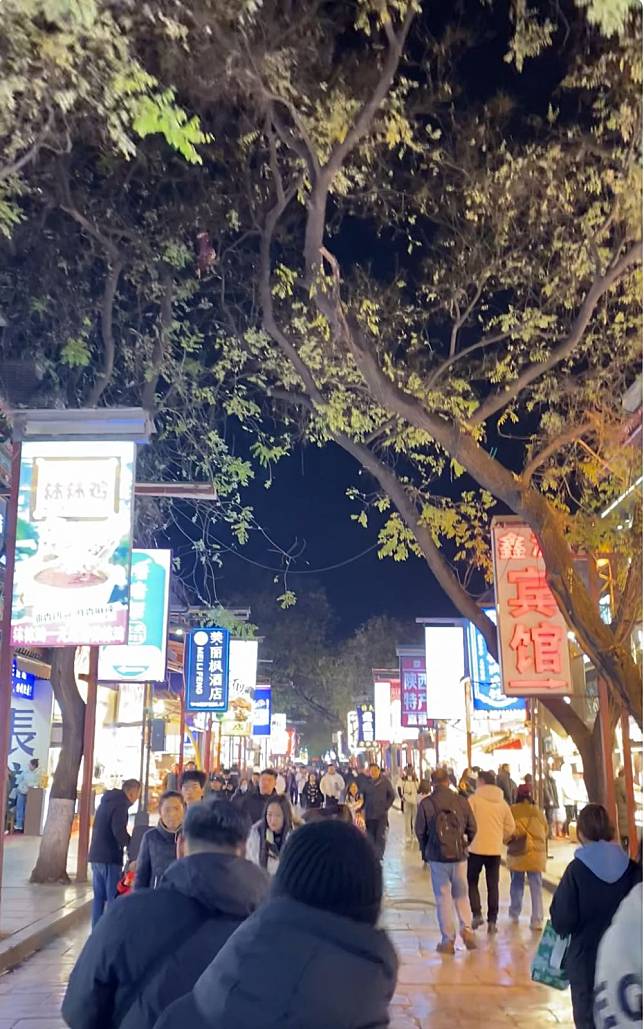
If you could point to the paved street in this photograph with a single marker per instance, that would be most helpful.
(489, 987)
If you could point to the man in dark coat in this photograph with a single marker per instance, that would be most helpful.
(109, 840)
(152, 946)
(158, 848)
(311, 956)
(253, 804)
(379, 796)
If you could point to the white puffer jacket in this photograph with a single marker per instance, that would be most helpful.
(409, 789)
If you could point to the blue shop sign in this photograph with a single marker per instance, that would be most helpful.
(206, 661)
(262, 711)
(23, 684)
(485, 674)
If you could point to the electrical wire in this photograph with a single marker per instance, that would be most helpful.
(295, 571)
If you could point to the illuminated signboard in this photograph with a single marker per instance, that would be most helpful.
(262, 711)
(445, 663)
(242, 676)
(485, 675)
(143, 659)
(206, 669)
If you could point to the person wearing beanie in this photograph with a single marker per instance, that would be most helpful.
(282, 969)
(527, 856)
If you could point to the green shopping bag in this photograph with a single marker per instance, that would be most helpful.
(548, 963)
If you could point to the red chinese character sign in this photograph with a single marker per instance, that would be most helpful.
(533, 639)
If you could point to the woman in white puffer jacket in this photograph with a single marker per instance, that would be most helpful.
(409, 792)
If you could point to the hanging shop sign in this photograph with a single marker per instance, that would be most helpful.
(262, 711)
(485, 675)
(242, 677)
(30, 727)
(366, 726)
(73, 543)
(279, 736)
(445, 664)
(533, 636)
(23, 683)
(413, 692)
(143, 659)
(206, 669)
(353, 731)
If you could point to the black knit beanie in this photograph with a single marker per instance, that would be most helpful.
(331, 865)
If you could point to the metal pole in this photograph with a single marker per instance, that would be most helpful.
(633, 843)
(144, 711)
(6, 653)
(208, 747)
(148, 734)
(84, 807)
(182, 732)
(436, 742)
(468, 719)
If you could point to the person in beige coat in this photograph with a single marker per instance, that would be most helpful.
(494, 827)
(527, 856)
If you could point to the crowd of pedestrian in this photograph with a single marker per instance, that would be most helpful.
(243, 893)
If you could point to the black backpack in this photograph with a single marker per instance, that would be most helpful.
(448, 833)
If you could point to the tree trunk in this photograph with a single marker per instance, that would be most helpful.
(51, 865)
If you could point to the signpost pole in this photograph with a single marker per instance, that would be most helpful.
(6, 653)
(144, 711)
(633, 844)
(208, 747)
(182, 730)
(219, 734)
(148, 738)
(88, 767)
(467, 683)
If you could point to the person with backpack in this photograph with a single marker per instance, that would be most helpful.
(494, 827)
(527, 856)
(151, 946)
(444, 827)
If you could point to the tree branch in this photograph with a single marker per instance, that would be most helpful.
(103, 377)
(497, 401)
(567, 436)
(148, 396)
(14, 166)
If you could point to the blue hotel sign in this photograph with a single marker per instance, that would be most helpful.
(485, 674)
(22, 683)
(206, 662)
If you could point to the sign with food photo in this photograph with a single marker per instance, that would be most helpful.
(242, 679)
(73, 543)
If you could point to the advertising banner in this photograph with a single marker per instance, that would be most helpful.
(74, 543)
(445, 664)
(242, 677)
(382, 709)
(413, 692)
(262, 711)
(143, 659)
(485, 675)
(366, 726)
(206, 669)
(279, 736)
(533, 635)
(30, 727)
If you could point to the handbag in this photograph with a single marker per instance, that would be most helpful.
(548, 963)
(518, 845)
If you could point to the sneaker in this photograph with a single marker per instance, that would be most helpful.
(477, 922)
(514, 919)
(446, 947)
(469, 939)
(492, 929)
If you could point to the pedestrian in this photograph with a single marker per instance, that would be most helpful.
(550, 803)
(444, 826)
(332, 785)
(311, 793)
(622, 809)
(311, 957)
(618, 976)
(505, 781)
(280, 783)
(301, 779)
(192, 786)
(159, 845)
(151, 947)
(25, 781)
(173, 779)
(379, 796)
(110, 838)
(253, 802)
(527, 856)
(409, 788)
(268, 836)
(228, 786)
(467, 783)
(494, 827)
(586, 900)
(354, 802)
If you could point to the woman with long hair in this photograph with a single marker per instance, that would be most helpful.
(312, 794)
(268, 836)
(354, 801)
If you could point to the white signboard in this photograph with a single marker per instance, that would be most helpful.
(445, 657)
(278, 742)
(242, 678)
(30, 727)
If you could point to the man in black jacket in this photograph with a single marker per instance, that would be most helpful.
(445, 824)
(151, 947)
(379, 796)
(109, 840)
(253, 804)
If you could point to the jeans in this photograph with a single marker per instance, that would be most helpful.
(517, 881)
(492, 864)
(104, 882)
(409, 816)
(377, 832)
(449, 882)
(21, 804)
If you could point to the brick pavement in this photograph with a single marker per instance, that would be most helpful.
(490, 987)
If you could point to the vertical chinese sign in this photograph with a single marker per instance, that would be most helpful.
(206, 669)
(485, 676)
(413, 687)
(535, 659)
(262, 711)
(143, 659)
(366, 726)
(74, 543)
